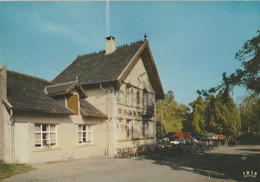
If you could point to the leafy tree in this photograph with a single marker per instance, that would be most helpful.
(250, 114)
(223, 116)
(170, 114)
(198, 121)
(247, 76)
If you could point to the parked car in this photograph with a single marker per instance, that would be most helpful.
(191, 140)
(175, 142)
(166, 140)
(178, 141)
(182, 141)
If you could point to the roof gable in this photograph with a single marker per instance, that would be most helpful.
(64, 88)
(146, 55)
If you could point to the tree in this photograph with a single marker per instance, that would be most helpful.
(250, 114)
(198, 121)
(247, 76)
(223, 116)
(170, 114)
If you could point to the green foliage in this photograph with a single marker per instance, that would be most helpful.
(198, 123)
(223, 116)
(170, 114)
(250, 114)
(7, 170)
(218, 114)
(248, 75)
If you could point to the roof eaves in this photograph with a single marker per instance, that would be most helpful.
(156, 72)
(92, 115)
(97, 83)
(57, 93)
(69, 112)
(74, 85)
(7, 104)
(68, 90)
(137, 54)
(60, 84)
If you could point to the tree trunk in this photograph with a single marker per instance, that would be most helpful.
(163, 122)
(227, 140)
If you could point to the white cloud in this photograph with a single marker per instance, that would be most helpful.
(61, 30)
(43, 26)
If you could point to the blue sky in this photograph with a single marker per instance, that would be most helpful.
(192, 43)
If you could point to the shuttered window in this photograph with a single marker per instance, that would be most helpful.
(73, 103)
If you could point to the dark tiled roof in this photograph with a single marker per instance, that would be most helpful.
(53, 89)
(89, 110)
(26, 93)
(98, 67)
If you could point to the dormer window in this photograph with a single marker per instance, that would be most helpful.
(71, 91)
(73, 103)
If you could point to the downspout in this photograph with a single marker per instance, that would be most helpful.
(107, 127)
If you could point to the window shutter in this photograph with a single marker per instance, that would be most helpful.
(73, 103)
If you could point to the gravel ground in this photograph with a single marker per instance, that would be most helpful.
(221, 164)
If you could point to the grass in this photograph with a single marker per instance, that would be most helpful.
(7, 170)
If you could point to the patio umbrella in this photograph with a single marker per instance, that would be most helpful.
(221, 137)
(195, 135)
(182, 135)
(169, 134)
(206, 135)
(215, 136)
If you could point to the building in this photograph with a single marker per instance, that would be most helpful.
(100, 102)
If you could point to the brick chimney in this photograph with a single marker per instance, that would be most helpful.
(110, 44)
(3, 82)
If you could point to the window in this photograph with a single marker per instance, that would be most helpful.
(145, 98)
(137, 97)
(85, 134)
(129, 129)
(45, 135)
(145, 129)
(129, 95)
(73, 103)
